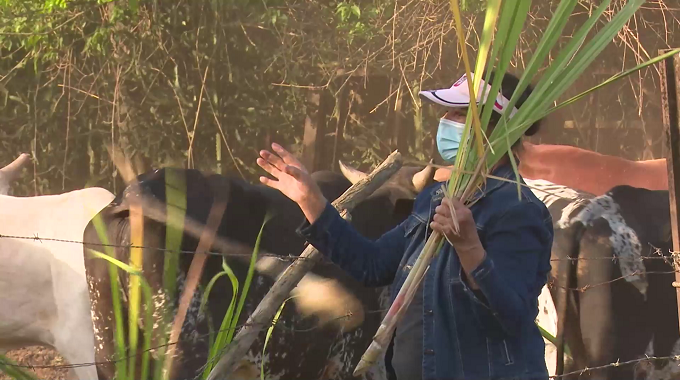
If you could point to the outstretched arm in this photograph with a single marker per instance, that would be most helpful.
(589, 171)
(372, 262)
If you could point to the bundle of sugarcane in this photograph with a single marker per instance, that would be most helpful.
(478, 153)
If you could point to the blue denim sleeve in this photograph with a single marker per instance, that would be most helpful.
(374, 263)
(516, 265)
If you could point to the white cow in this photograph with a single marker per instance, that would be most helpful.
(44, 297)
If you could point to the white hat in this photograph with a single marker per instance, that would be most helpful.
(458, 96)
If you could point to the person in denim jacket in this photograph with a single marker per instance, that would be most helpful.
(474, 316)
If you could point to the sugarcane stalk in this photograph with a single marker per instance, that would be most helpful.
(401, 302)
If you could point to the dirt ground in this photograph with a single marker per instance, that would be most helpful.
(39, 356)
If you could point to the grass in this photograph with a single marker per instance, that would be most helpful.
(11, 368)
(126, 350)
(270, 330)
(231, 317)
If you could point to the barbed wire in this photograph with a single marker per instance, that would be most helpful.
(291, 257)
(111, 245)
(551, 283)
(276, 324)
(281, 324)
(617, 364)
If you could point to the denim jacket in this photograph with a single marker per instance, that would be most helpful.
(485, 334)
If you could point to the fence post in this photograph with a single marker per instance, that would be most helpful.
(670, 97)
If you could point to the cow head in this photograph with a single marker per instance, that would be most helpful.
(11, 172)
(412, 179)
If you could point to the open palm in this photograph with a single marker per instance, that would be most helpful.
(292, 178)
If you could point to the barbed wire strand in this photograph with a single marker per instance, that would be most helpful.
(291, 257)
(282, 325)
(617, 364)
(278, 324)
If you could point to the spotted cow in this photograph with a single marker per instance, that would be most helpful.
(625, 306)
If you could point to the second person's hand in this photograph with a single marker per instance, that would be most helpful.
(293, 180)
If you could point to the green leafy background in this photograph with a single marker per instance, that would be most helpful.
(154, 76)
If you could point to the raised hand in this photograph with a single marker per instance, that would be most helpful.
(293, 180)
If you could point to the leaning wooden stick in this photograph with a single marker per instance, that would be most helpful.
(264, 314)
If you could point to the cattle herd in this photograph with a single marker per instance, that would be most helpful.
(610, 288)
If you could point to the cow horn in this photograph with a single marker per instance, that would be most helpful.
(423, 177)
(352, 175)
(13, 169)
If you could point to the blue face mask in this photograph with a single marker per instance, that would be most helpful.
(449, 135)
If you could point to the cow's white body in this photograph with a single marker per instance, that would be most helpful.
(547, 319)
(43, 293)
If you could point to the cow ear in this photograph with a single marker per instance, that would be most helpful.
(403, 208)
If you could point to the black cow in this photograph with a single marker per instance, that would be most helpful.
(295, 351)
(614, 320)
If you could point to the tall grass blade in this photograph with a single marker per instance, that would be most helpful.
(12, 370)
(466, 62)
(552, 339)
(551, 74)
(571, 72)
(583, 94)
(487, 37)
(515, 21)
(550, 36)
(148, 317)
(586, 56)
(221, 339)
(228, 326)
(249, 279)
(175, 194)
(270, 330)
(176, 204)
(613, 79)
(136, 262)
(484, 46)
(119, 331)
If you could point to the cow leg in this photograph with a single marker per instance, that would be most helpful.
(79, 347)
(566, 246)
(547, 319)
(597, 323)
(99, 286)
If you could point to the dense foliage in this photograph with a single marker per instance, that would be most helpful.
(209, 83)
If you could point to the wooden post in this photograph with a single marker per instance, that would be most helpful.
(265, 311)
(315, 129)
(670, 97)
(343, 105)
